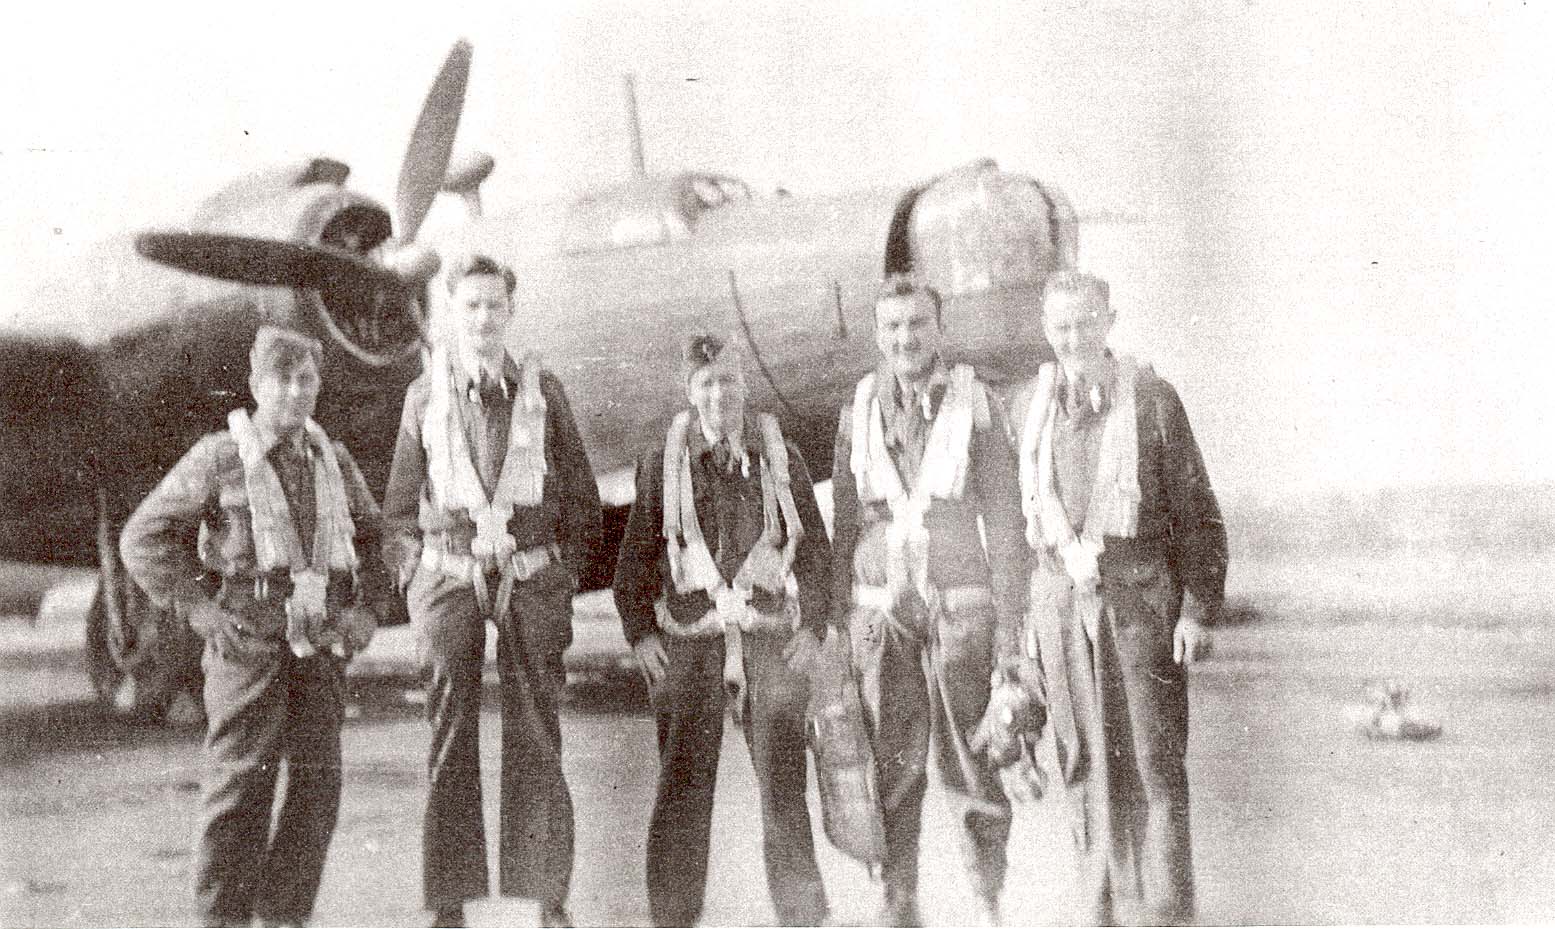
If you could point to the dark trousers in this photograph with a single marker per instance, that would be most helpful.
(265, 707)
(1119, 710)
(904, 706)
(689, 710)
(536, 841)
(1130, 809)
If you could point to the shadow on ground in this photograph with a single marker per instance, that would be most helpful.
(88, 726)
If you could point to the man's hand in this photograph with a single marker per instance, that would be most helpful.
(1080, 563)
(406, 572)
(1013, 715)
(652, 659)
(1023, 780)
(213, 624)
(356, 625)
(802, 649)
(305, 628)
(1191, 641)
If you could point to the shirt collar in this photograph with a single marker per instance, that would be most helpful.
(699, 443)
(270, 441)
(892, 396)
(1093, 398)
(472, 381)
(470, 370)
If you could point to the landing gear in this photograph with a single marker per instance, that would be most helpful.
(144, 662)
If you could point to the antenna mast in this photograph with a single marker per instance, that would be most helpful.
(634, 126)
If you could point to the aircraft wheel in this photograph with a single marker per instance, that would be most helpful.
(104, 658)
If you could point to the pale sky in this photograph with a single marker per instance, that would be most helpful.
(1345, 200)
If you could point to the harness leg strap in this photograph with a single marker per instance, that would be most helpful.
(735, 684)
(482, 592)
(505, 588)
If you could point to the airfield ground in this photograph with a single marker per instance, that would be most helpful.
(1297, 818)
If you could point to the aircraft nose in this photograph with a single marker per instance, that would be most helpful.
(979, 228)
(987, 239)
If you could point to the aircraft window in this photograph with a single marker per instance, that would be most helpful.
(733, 189)
(651, 211)
(638, 229)
(710, 192)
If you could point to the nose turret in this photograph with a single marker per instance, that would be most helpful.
(987, 239)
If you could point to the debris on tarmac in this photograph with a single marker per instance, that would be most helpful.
(1388, 716)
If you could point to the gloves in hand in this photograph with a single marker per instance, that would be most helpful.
(1008, 732)
(1023, 780)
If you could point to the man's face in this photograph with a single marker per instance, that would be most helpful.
(718, 393)
(1076, 325)
(482, 311)
(908, 333)
(285, 394)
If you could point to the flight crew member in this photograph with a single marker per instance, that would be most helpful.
(264, 538)
(921, 455)
(491, 513)
(722, 584)
(1130, 570)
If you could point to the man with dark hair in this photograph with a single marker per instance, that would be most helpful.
(492, 512)
(721, 586)
(478, 266)
(264, 539)
(905, 285)
(922, 457)
(1130, 572)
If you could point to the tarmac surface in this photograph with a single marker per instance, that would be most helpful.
(1297, 817)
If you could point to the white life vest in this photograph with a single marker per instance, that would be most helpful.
(452, 479)
(768, 565)
(941, 474)
(1114, 503)
(277, 543)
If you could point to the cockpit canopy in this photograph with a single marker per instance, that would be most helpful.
(651, 210)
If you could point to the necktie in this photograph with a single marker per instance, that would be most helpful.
(294, 466)
(929, 400)
(909, 421)
(489, 391)
(1086, 399)
(725, 459)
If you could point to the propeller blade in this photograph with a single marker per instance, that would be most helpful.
(266, 262)
(432, 142)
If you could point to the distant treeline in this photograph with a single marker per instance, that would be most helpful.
(1458, 517)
